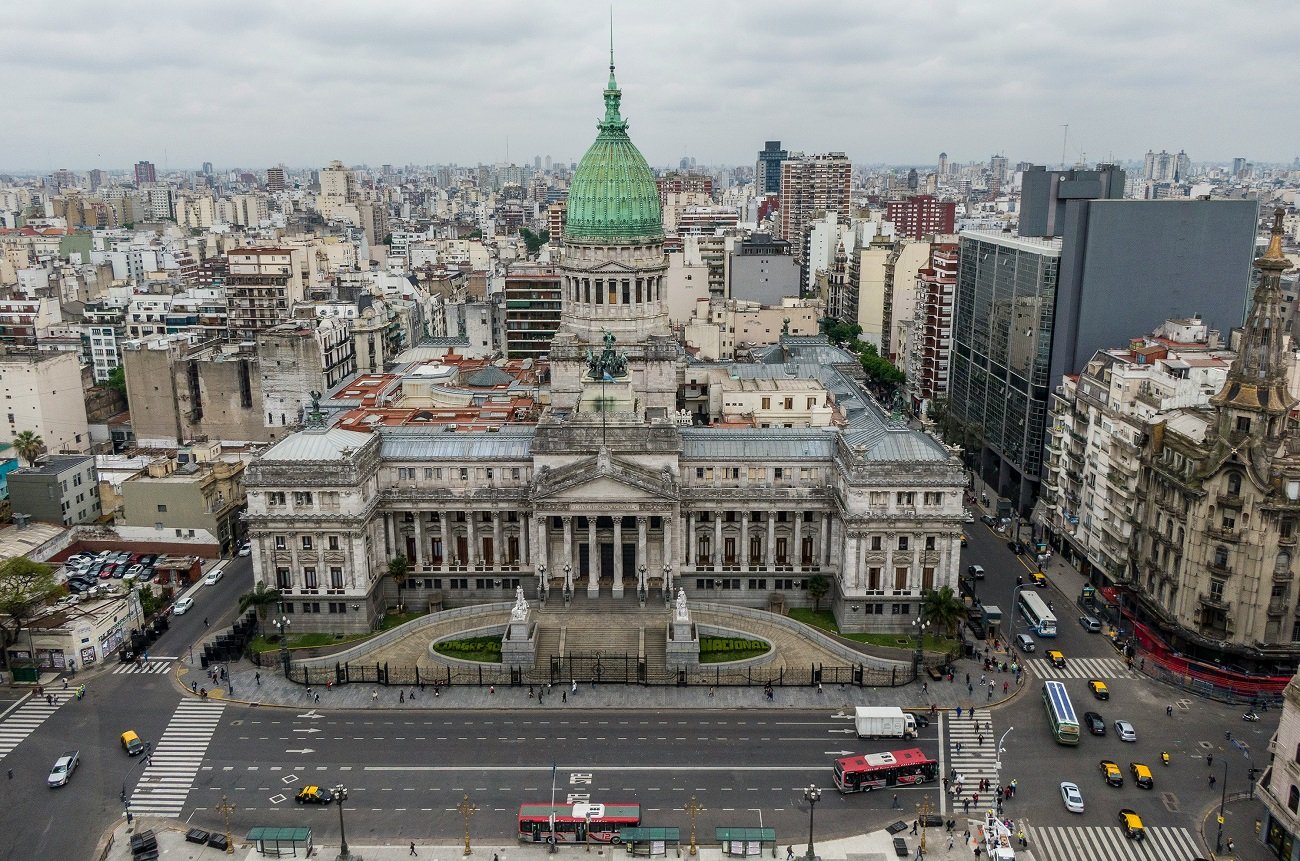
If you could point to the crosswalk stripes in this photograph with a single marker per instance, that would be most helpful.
(974, 761)
(1090, 842)
(26, 718)
(150, 666)
(1080, 668)
(176, 758)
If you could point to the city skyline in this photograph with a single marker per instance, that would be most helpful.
(436, 84)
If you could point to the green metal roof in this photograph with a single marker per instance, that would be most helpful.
(613, 198)
(268, 834)
(642, 835)
(725, 833)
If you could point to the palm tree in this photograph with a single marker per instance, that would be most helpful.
(398, 568)
(261, 597)
(29, 446)
(818, 586)
(943, 608)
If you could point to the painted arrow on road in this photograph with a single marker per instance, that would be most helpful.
(309, 729)
(854, 730)
(827, 752)
(311, 714)
(304, 750)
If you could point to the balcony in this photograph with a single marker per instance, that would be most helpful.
(1283, 576)
(1233, 500)
(1211, 600)
(1286, 540)
(1221, 568)
(1224, 533)
(1276, 607)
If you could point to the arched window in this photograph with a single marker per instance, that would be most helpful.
(1234, 484)
(1293, 801)
(1281, 565)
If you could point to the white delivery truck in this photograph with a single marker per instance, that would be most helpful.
(884, 722)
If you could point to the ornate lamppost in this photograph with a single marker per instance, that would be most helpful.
(694, 809)
(543, 587)
(667, 586)
(919, 657)
(812, 795)
(340, 795)
(568, 583)
(225, 808)
(282, 625)
(641, 587)
(467, 809)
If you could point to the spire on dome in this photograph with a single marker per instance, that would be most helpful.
(613, 95)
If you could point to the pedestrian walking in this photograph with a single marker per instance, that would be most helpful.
(981, 680)
(374, 696)
(49, 699)
(959, 711)
(413, 852)
(896, 806)
(1211, 781)
(1014, 784)
(819, 687)
(925, 687)
(315, 698)
(958, 744)
(257, 677)
(950, 841)
(65, 684)
(975, 799)
(968, 678)
(945, 789)
(401, 696)
(1005, 685)
(575, 685)
(981, 738)
(1209, 759)
(564, 696)
(971, 711)
(789, 853)
(965, 805)
(1169, 711)
(1230, 845)
(492, 689)
(990, 693)
(970, 689)
(11, 777)
(915, 822)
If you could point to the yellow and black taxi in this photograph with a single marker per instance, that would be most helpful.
(964, 540)
(1038, 578)
(315, 795)
(1099, 689)
(1141, 775)
(1110, 773)
(1132, 824)
(131, 743)
(1056, 658)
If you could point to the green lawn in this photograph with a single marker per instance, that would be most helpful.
(718, 650)
(303, 641)
(825, 620)
(484, 649)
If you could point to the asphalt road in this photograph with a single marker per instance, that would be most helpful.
(406, 771)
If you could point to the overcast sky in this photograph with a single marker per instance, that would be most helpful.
(252, 84)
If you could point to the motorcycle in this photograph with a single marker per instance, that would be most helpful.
(1250, 716)
(1164, 757)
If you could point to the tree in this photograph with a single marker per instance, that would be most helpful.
(261, 598)
(534, 241)
(944, 609)
(818, 586)
(117, 379)
(398, 568)
(24, 586)
(29, 446)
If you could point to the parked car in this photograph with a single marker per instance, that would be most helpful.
(182, 605)
(213, 578)
(107, 571)
(1072, 797)
(63, 768)
(246, 549)
(1091, 624)
(135, 571)
(964, 541)
(1096, 724)
(989, 520)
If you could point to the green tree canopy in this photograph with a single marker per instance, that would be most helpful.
(944, 609)
(261, 598)
(29, 446)
(818, 586)
(534, 241)
(24, 587)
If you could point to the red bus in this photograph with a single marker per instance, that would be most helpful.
(576, 823)
(891, 768)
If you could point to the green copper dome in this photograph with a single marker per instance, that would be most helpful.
(613, 198)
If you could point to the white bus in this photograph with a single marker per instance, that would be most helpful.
(1035, 611)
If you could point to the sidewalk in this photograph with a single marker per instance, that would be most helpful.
(877, 844)
(266, 686)
(1240, 816)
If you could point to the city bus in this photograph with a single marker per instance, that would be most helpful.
(891, 768)
(1060, 713)
(1036, 613)
(584, 822)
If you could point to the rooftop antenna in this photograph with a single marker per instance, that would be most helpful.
(1065, 134)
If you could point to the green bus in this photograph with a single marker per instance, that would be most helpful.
(1060, 713)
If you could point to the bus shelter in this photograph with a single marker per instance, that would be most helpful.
(279, 842)
(650, 842)
(740, 841)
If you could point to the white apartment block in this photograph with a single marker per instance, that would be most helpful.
(41, 392)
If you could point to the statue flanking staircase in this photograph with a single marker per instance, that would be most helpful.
(519, 645)
(683, 647)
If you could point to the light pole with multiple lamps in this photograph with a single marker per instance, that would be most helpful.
(812, 795)
(282, 625)
(920, 625)
(225, 808)
(340, 795)
(467, 808)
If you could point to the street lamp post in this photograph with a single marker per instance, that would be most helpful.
(997, 764)
(144, 761)
(812, 795)
(282, 625)
(919, 657)
(341, 793)
(1223, 801)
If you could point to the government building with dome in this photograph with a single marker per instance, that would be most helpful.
(631, 483)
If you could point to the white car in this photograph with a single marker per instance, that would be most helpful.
(1072, 797)
(133, 572)
(245, 549)
(63, 768)
(1125, 731)
(213, 578)
(181, 606)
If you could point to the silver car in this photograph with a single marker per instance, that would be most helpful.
(63, 768)
(1125, 731)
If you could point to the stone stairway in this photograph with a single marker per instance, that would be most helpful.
(656, 648)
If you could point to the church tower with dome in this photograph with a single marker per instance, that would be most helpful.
(615, 306)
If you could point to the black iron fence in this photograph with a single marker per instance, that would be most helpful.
(602, 668)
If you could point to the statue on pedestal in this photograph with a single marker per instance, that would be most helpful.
(681, 614)
(519, 612)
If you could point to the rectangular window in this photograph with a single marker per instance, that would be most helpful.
(162, 508)
(873, 579)
(283, 581)
(757, 584)
(309, 580)
(929, 542)
(767, 403)
(902, 542)
(464, 473)
(311, 606)
(905, 499)
(877, 542)
(280, 542)
(333, 542)
(459, 582)
(428, 473)
(927, 578)
(302, 497)
(306, 542)
(778, 472)
(336, 578)
(900, 578)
